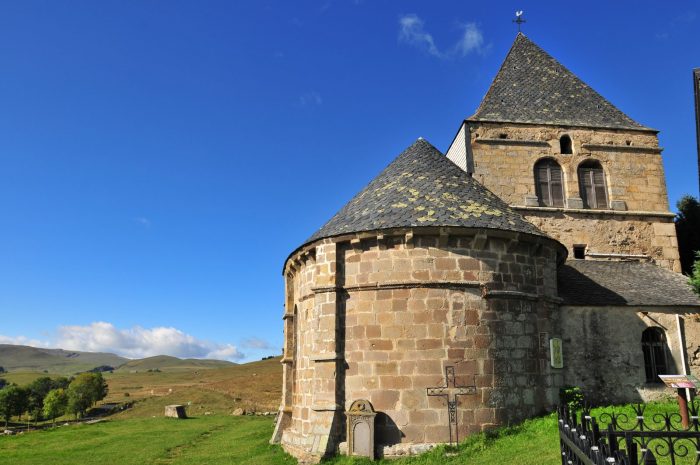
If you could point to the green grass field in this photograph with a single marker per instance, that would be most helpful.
(224, 439)
(204, 440)
(142, 436)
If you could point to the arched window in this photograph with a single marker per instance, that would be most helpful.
(654, 349)
(549, 183)
(591, 178)
(565, 144)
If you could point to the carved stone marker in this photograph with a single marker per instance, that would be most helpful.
(360, 420)
(175, 411)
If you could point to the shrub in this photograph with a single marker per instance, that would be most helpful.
(695, 277)
(571, 396)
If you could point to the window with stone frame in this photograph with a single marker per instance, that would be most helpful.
(654, 349)
(549, 183)
(591, 178)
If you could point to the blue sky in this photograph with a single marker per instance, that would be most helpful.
(159, 160)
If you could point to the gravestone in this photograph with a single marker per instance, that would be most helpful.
(175, 411)
(360, 421)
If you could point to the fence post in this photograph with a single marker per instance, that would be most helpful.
(631, 447)
(612, 441)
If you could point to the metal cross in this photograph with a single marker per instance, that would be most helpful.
(519, 18)
(450, 391)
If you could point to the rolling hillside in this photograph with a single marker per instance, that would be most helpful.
(15, 358)
(166, 362)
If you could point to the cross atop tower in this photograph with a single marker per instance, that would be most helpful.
(519, 19)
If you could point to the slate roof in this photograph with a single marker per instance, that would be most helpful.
(533, 87)
(421, 187)
(597, 282)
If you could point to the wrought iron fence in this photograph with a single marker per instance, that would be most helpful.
(621, 438)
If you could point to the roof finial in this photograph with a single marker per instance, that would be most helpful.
(519, 18)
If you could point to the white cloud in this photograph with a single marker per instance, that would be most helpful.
(138, 342)
(412, 31)
(256, 343)
(145, 222)
(310, 98)
(472, 40)
(23, 341)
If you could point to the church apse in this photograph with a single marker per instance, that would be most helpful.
(382, 312)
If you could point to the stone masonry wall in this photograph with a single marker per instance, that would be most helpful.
(406, 306)
(611, 233)
(609, 339)
(640, 223)
(631, 161)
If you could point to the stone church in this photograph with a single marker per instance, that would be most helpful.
(539, 252)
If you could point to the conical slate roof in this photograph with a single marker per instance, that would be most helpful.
(533, 87)
(421, 187)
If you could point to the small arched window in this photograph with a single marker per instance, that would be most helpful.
(565, 145)
(549, 183)
(591, 178)
(654, 349)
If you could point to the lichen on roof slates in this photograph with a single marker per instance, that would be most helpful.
(421, 187)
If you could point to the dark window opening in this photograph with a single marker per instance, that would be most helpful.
(580, 252)
(591, 178)
(654, 349)
(549, 183)
(565, 145)
(503, 136)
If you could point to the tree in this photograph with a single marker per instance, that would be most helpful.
(61, 382)
(38, 389)
(55, 404)
(688, 231)
(3, 383)
(13, 401)
(84, 391)
(695, 277)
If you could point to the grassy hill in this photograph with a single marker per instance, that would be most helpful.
(166, 362)
(254, 386)
(15, 358)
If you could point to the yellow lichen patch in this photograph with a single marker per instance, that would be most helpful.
(419, 208)
(450, 197)
(428, 217)
(400, 205)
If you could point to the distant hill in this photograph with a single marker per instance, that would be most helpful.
(166, 362)
(64, 362)
(15, 358)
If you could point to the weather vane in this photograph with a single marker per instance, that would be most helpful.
(519, 18)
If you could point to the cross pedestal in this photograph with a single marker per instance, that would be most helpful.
(451, 392)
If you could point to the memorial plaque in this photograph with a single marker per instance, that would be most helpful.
(556, 354)
(360, 421)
